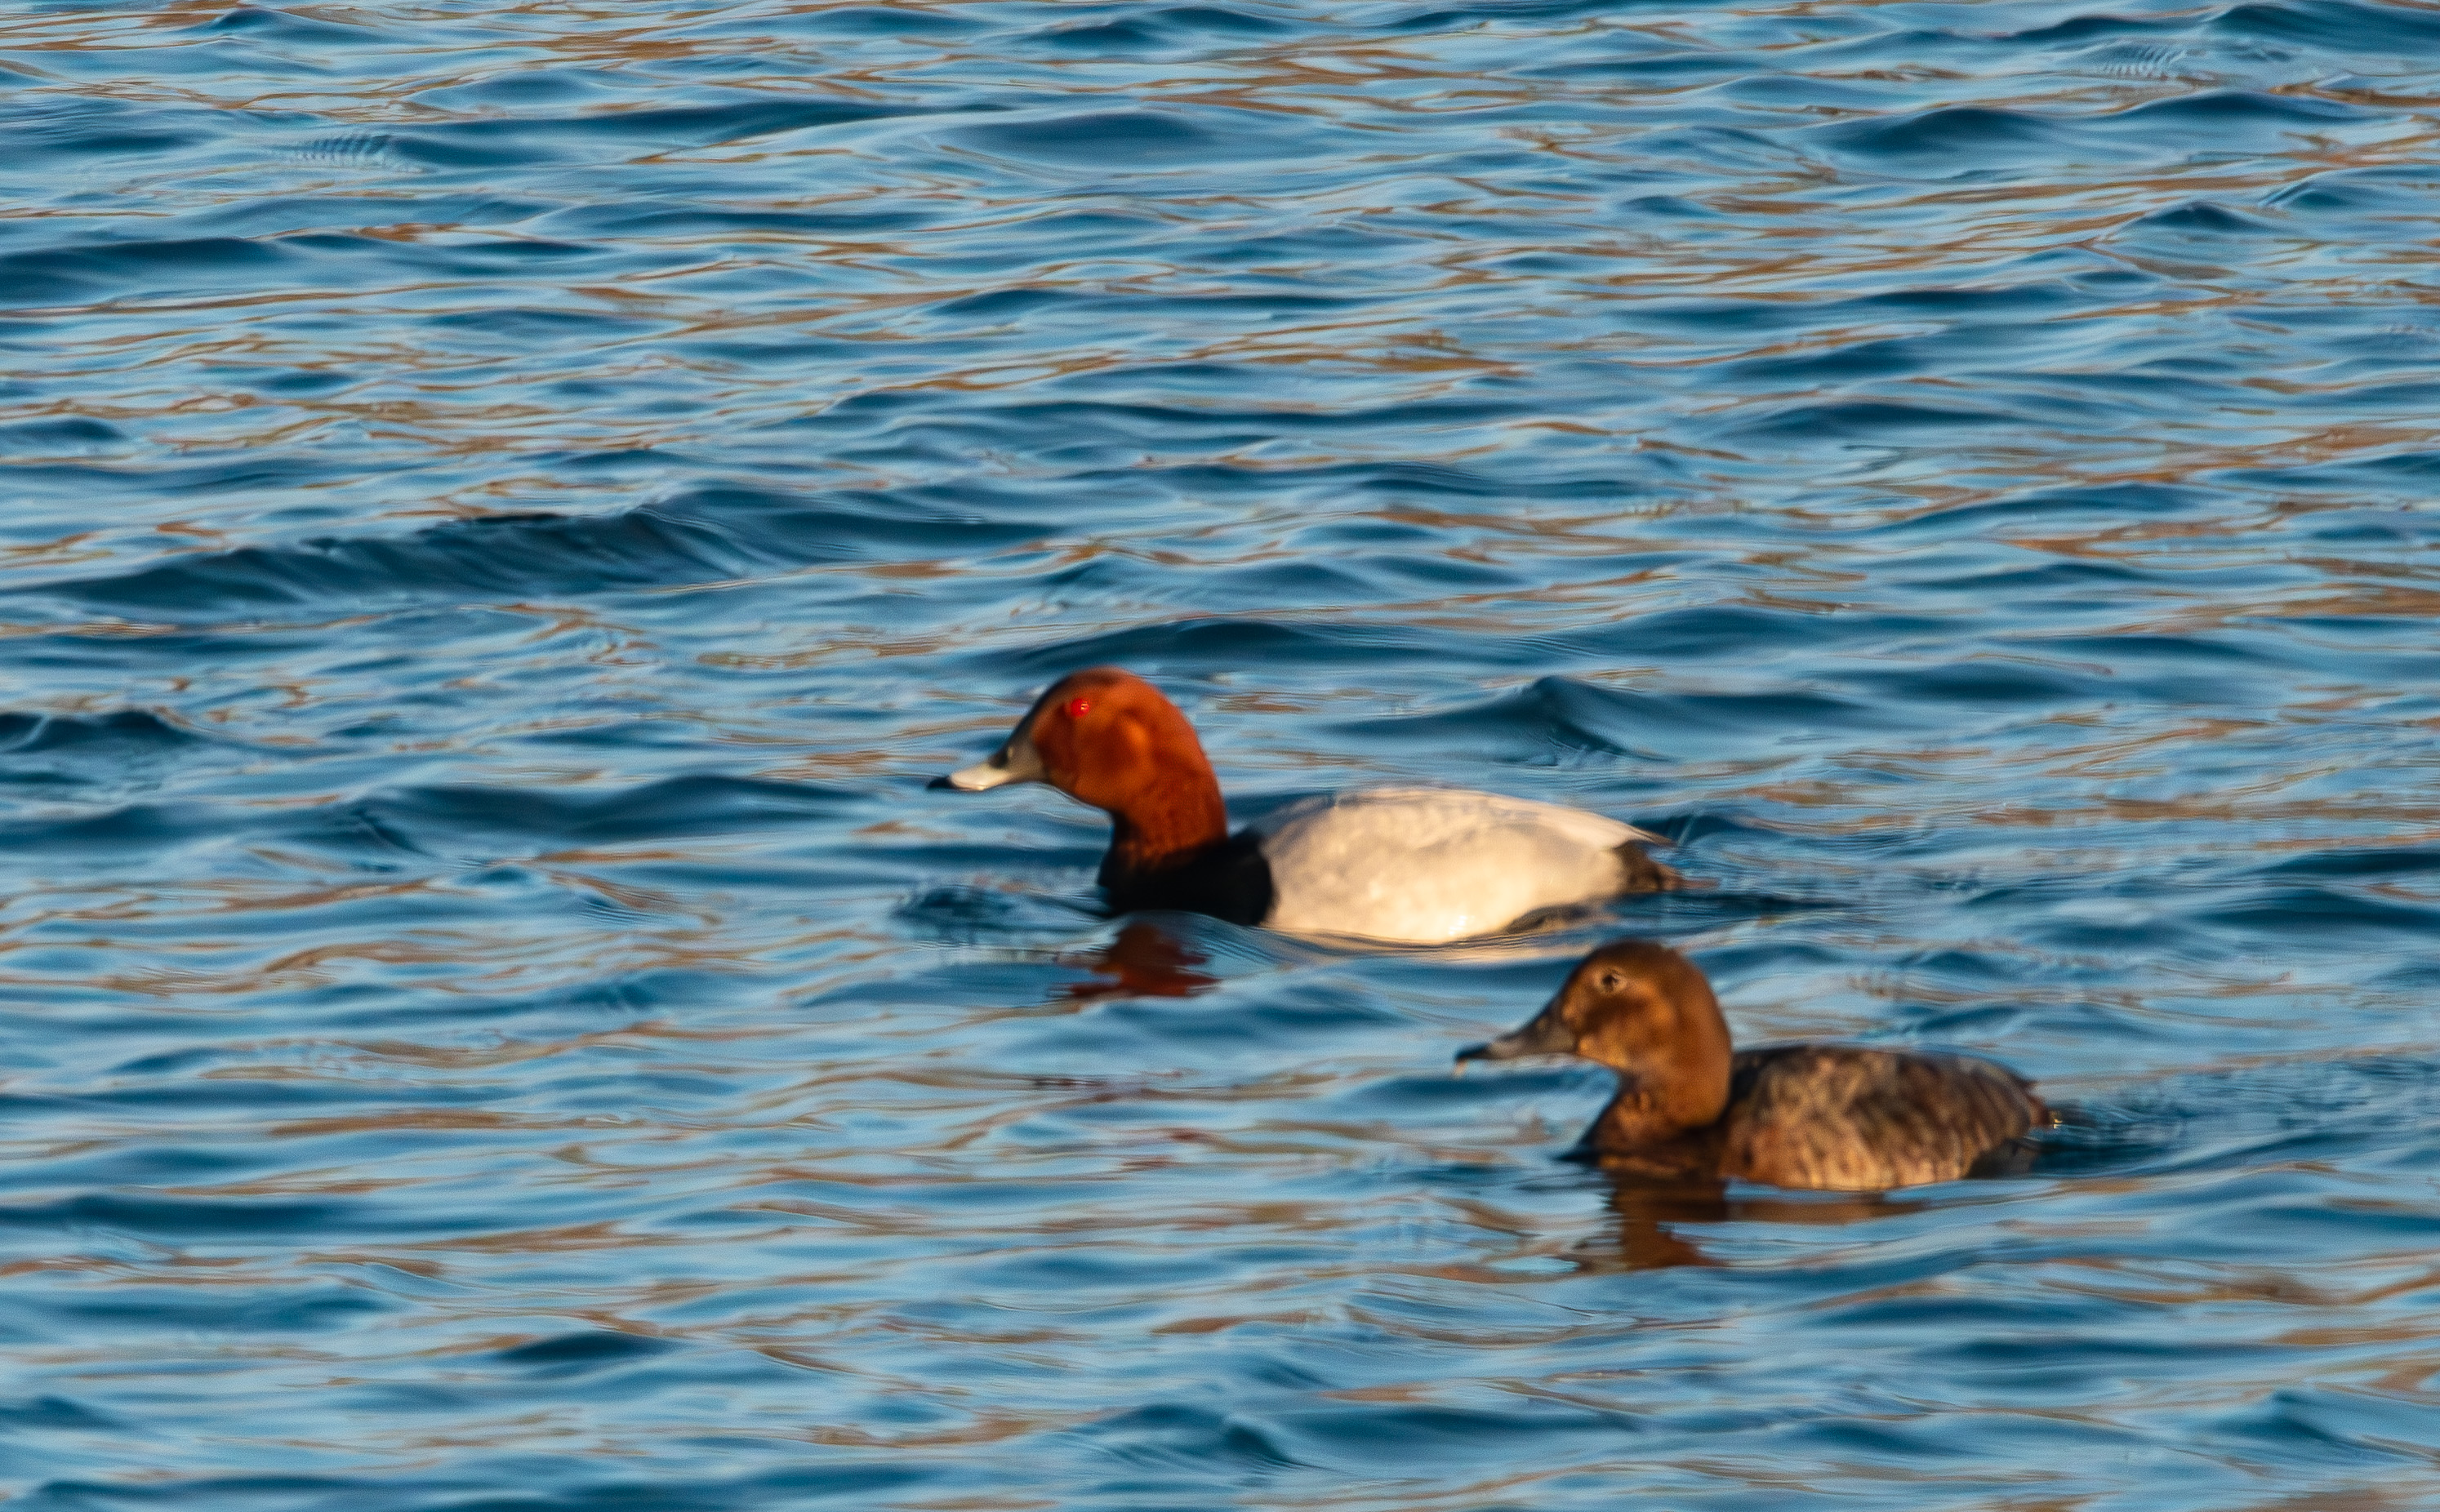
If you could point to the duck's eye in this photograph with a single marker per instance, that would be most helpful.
(1078, 708)
(1611, 981)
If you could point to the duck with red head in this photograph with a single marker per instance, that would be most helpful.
(1852, 1118)
(1407, 864)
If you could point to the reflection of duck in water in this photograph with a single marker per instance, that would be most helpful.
(1848, 1118)
(1144, 962)
(1650, 1212)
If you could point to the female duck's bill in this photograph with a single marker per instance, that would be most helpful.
(1417, 865)
(1834, 1117)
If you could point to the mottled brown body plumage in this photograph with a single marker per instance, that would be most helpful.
(1833, 1117)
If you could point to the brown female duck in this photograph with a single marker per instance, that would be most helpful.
(1850, 1118)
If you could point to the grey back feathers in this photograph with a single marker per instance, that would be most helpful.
(1856, 1118)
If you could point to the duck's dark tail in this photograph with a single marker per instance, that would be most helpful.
(1643, 874)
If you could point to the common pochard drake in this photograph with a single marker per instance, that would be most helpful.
(1849, 1118)
(1414, 865)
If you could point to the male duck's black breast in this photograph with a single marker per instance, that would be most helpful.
(1853, 1118)
(1228, 880)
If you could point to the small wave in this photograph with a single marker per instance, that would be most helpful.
(2337, 918)
(1965, 136)
(2403, 192)
(2087, 28)
(2364, 861)
(2382, 30)
(574, 1352)
(133, 269)
(287, 27)
(1726, 632)
(525, 140)
(493, 820)
(631, 218)
(25, 734)
(458, 823)
(91, 758)
(1987, 683)
(179, 1217)
(2222, 117)
(2056, 507)
(1562, 721)
(1498, 11)
(2200, 218)
(890, 21)
(1203, 647)
(67, 436)
(89, 129)
(1969, 140)
(1149, 139)
(1863, 421)
(1135, 34)
(706, 534)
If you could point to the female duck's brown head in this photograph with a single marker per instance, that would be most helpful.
(1108, 739)
(1644, 1011)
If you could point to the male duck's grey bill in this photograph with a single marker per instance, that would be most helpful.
(975, 778)
(1548, 1035)
(1014, 761)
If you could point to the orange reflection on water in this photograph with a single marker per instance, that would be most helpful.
(1142, 962)
(1649, 1213)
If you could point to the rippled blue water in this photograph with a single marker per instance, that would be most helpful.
(507, 504)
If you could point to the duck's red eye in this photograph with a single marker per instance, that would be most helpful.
(1077, 708)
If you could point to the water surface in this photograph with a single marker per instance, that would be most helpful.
(508, 506)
